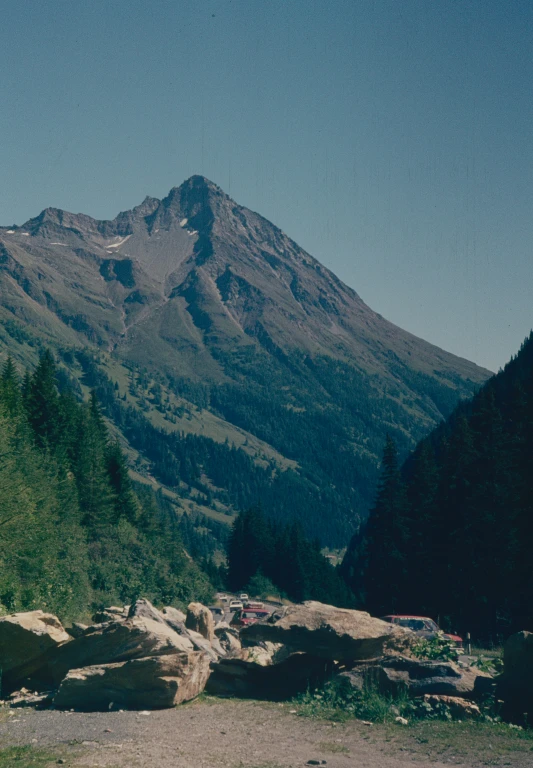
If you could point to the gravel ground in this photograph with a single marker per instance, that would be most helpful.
(214, 733)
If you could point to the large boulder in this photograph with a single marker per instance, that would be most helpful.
(262, 678)
(392, 674)
(201, 644)
(144, 609)
(228, 639)
(515, 684)
(329, 632)
(146, 683)
(114, 642)
(77, 629)
(173, 615)
(24, 639)
(200, 619)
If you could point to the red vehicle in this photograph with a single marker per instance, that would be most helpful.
(243, 618)
(424, 627)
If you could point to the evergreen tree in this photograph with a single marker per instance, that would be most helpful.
(386, 538)
(94, 491)
(42, 403)
(124, 499)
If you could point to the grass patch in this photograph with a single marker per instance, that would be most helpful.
(475, 742)
(338, 701)
(28, 757)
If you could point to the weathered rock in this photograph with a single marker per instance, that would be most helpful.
(171, 615)
(248, 679)
(265, 654)
(515, 684)
(332, 633)
(228, 639)
(26, 698)
(460, 709)
(115, 642)
(144, 609)
(24, 640)
(77, 629)
(104, 616)
(201, 644)
(216, 645)
(200, 619)
(146, 683)
(394, 673)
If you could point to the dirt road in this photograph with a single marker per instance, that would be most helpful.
(216, 733)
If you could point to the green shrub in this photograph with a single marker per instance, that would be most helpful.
(436, 648)
(338, 700)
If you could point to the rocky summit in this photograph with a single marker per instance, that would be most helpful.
(211, 324)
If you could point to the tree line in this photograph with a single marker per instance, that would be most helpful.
(74, 534)
(265, 556)
(451, 531)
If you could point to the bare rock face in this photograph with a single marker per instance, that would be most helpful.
(266, 654)
(24, 639)
(228, 639)
(171, 615)
(78, 629)
(146, 683)
(116, 642)
(144, 609)
(200, 643)
(515, 685)
(392, 674)
(200, 619)
(329, 632)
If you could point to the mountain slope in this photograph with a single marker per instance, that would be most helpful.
(223, 316)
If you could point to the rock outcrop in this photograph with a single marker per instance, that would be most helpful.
(115, 642)
(396, 673)
(336, 634)
(25, 638)
(173, 615)
(146, 683)
(143, 609)
(228, 639)
(140, 657)
(263, 677)
(515, 684)
(200, 619)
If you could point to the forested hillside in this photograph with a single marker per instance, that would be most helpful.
(240, 370)
(265, 555)
(73, 533)
(451, 532)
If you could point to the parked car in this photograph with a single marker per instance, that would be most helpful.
(243, 596)
(218, 613)
(244, 618)
(424, 627)
(222, 597)
(254, 606)
(236, 605)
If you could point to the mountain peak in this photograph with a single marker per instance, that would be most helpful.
(197, 181)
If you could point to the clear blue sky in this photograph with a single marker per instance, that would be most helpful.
(393, 139)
